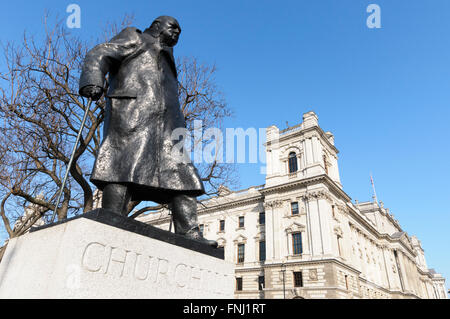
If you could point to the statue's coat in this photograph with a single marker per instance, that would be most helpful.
(141, 113)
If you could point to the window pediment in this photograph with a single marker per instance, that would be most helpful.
(295, 227)
(290, 149)
(241, 239)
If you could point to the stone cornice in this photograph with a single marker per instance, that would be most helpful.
(384, 213)
(276, 189)
(376, 233)
(425, 273)
(398, 240)
(364, 222)
(305, 182)
(231, 204)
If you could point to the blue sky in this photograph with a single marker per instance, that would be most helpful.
(384, 93)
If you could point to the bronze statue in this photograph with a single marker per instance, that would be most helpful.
(136, 159)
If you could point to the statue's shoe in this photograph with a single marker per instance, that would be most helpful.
(197, 236)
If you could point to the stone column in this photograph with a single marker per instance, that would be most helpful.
(308, 152)
(317, 149)
(324, 210)
(272, 208)
(319, 219)
(314, 227)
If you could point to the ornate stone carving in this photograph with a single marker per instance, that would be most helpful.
(320, 194)
(338, 231)
(313, 274)
(341, 208)
(273, 204)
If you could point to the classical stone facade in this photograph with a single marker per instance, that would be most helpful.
(300, 235)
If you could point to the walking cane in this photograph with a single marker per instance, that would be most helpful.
(86, 111)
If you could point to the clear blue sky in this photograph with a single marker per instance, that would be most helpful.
(384, 93)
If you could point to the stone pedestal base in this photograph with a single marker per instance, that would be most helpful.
(103, 255)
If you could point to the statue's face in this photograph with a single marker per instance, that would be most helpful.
(170, 31)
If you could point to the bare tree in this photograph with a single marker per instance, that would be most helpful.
(202, 101)
(41, 112)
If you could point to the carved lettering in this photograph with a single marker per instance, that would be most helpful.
(181, 275)
(142, 268)
(163, 267)
(313, 274)
(159, 273)
(118, 257)
(195, 278)
(92, 256)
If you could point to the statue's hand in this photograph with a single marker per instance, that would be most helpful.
(92, 91)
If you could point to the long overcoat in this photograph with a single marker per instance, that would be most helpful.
(142, 110)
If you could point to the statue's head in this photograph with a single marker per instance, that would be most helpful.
(167, 29)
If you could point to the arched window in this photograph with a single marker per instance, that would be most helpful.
(292, 162)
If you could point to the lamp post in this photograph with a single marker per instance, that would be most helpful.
(283, 270)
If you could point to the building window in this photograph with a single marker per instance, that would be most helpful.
(333, 212)
(222, 225)
(339, 245)
(241, 221)
(260, 282)
(297, 243)
(346, 282)
(294, 208)
(292, 162)
(241, 253)
(201, 227)
(298, 279)
(262, 218)
(239, 284)
(262, 250)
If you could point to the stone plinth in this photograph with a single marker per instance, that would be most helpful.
(103, 255)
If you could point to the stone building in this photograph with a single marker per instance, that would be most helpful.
(300, 235)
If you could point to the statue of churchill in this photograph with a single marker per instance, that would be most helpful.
(136, 157)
